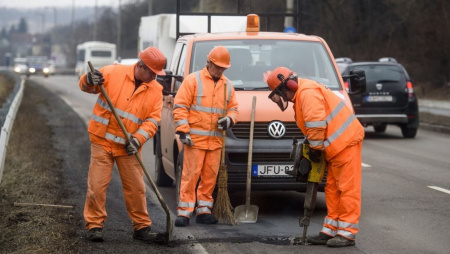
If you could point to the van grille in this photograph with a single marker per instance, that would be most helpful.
(242, 131)
(242, 158)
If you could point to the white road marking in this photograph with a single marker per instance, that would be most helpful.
(364, 165)
(439, 189)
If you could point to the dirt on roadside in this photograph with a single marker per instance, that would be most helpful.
(6, 87)
(32, 174)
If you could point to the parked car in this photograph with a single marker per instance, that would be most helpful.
(389, 98)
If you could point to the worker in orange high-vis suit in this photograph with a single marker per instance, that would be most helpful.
(331, 128)
(198, 109)
(137, 98)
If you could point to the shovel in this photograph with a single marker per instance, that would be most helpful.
(248, 213)
(164, 238)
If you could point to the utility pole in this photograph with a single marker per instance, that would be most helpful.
(150, 7)
(54, 15)
(42, 14)
(73, 13)
(95, 21)
(119, 29)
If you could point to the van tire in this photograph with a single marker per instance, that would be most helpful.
(162, 179)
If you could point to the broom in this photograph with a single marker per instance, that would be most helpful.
(222, 210)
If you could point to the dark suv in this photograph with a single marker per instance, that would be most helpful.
(389, 98)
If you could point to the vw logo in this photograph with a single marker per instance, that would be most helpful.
(379, 86)
(276, 129)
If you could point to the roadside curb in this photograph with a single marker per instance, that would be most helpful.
(434, 127)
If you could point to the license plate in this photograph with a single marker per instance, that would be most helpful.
(271, 170)
(384, 98)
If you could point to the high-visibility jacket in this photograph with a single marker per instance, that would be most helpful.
(140, 110)
(325, 119)
(199, 104)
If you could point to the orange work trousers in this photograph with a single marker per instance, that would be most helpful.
(100, 172)
(343, 193)
(203, 164)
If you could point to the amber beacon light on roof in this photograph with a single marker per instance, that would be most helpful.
(252, 23)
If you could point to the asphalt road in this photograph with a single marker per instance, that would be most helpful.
(405, 193)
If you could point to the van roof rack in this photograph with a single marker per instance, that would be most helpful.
(346, 60)
(387, 59)
(294, 14)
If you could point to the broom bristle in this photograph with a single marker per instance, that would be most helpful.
(223, 210)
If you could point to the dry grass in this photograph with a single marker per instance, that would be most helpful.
(32, 174)
(6, 87)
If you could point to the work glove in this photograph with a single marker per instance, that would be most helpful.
(95, 78)
(185, 138)
(224, 123)
(132, 146)
(314, 155)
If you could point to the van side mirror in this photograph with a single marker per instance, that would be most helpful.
(166, 82)
(357, 81)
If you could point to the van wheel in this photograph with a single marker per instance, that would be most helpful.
(179, 171)
(381, 127)
(162, 179)
(408, 132)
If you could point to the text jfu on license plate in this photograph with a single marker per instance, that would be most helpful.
(271, 170)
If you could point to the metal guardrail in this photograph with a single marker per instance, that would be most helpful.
(8, 114)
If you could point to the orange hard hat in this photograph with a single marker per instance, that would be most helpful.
(154, 59)
(219, 56)
(274, 80)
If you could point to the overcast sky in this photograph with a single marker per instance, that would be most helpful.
(57, 3)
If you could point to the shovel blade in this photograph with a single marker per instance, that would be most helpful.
(243, 215)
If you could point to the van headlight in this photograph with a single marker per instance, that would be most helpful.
(32, 70)
(17, 69)
(46, 70)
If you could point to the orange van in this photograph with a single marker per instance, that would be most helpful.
(253, 55)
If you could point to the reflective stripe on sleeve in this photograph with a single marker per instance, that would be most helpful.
(143, 133)
(315, 124)
(152, 120)
(181, 122)
(180, 106)
(315, 142)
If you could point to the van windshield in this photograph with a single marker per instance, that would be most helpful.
(253, 60)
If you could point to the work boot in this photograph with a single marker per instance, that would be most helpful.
(144, 234)
(340, 241)
(206, 218)
(181, 221)
(320, 239)
(95, 235)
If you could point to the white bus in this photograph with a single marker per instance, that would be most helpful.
(98, 52)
